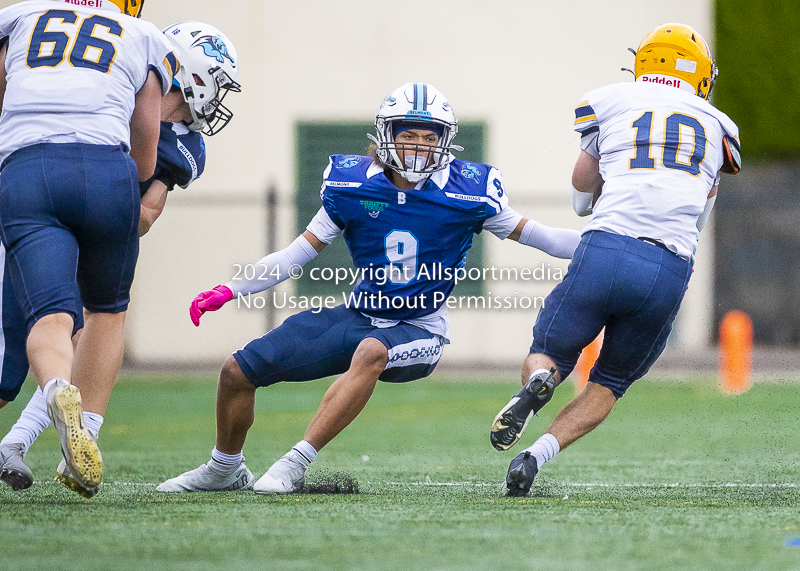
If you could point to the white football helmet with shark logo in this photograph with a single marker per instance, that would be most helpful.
(209, 69)
(415, 106)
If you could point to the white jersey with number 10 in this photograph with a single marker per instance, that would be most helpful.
(660, 151)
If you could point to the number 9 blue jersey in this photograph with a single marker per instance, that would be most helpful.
(408, 244)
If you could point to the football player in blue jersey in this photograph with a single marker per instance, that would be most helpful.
(648, 171)
(181, 160)
(408, 214)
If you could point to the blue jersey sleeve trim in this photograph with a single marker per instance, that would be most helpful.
(584, 111)
(590, 130)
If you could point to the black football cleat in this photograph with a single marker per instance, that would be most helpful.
(511, 421)
(521, 473)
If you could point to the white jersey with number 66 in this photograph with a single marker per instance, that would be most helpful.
(72, 73)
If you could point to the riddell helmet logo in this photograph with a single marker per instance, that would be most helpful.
(667, 81)
(87, 3)
(674, 82)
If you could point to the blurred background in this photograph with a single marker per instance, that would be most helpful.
(313, 74)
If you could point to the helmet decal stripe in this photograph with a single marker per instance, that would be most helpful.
(424, 96)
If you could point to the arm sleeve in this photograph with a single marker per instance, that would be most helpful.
(504, 223)
(558, 242)
(276, 267)
(582, 202)
(702, 220)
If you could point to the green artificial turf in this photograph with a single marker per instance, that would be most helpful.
(681, 476)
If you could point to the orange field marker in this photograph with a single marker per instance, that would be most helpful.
(585, 363)
(735, 352)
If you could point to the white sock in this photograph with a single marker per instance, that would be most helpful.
(306, 451)
(50, 384)
(225, 463)
(31, 423)
(93, 422)
(544, 449)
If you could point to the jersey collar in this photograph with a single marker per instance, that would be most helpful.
(440, 177)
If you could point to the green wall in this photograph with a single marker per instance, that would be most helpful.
(758, 54)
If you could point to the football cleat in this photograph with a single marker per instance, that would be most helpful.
(64, 475)
(521, 473)
(78, 447)
(286, 476)
(13, 470)
(511, 421)
(206, 479)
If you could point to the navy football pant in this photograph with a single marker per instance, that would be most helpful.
(309, 346)
(630, 287)
(57, 200)
(14, 364)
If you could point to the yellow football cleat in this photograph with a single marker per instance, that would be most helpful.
(80, 451)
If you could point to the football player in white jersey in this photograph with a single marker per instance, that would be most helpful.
(192, 107)
(79, 128)
(651, 154)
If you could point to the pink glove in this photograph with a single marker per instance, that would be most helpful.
(210, 300)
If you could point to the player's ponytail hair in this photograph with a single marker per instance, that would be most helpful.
(372, 151)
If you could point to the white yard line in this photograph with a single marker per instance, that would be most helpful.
(563, 484)
(600, 485)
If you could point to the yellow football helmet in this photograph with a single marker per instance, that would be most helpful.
(677, 50)
(129, 7)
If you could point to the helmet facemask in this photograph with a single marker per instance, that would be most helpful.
(421, 160)
(133, 8)
(209, 115)
(129, 7)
